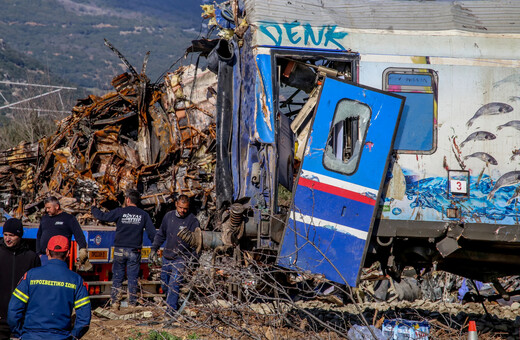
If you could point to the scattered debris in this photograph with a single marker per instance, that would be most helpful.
(101, 312)
(159, 138)
(406, 329)
(357, 332)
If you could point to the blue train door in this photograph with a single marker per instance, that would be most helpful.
(337, 191)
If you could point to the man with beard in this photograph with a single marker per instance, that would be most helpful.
(58, 222)
(176, 253)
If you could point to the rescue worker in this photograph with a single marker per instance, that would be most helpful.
(41, 306)
(130, 223)
(58, 222)
(176, 253)
(15, 259)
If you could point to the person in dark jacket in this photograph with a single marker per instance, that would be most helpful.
(58, 222)
(130, 223)
(176, 252)
(41, 306)
(15, 259)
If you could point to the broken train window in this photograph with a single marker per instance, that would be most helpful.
(297, 90)
(417, 132)
(346, 136)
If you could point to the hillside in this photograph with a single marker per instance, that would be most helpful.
(18, 67)
(67, 35)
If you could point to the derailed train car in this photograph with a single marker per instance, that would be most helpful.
(346, 133)
(350, 132)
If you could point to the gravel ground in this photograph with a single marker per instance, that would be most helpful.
(447, 321)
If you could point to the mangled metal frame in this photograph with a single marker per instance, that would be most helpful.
(158, 137)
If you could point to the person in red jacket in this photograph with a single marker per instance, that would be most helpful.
(15, 259)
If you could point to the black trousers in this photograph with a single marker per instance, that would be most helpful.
(5, 331)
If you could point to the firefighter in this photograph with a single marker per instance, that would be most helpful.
(130, 223)
(58, 222)
(41, 306)
(176, 252)
(15, 259)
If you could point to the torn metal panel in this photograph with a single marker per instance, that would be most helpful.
(447, 246)
(264, 100)
(156, 138)
(236, 117)
(248, 152)
(224, 121)
(143, 144)
(21, 153)
(162, 133)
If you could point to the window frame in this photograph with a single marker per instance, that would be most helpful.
(361, 145)
(433, 89)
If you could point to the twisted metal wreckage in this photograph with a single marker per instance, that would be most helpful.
(158, 137)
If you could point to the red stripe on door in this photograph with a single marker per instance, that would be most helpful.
(336, 191)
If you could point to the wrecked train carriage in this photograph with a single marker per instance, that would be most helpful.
(353, 142)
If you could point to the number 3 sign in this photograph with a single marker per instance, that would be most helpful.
(458, 182)
(458, 187)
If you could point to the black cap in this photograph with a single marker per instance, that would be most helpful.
(13, 226)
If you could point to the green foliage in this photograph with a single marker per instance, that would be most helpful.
(284, 196)
(156, 335)
(16, 66)
(137, 335)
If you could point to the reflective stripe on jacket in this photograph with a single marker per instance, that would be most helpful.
(41, 305)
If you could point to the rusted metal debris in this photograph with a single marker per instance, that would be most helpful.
(159, 138)
(100, 312)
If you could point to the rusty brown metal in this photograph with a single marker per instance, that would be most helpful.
(141, 135)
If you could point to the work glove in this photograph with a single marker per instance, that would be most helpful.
(193, 239)
(82, 262)
(153, 258)
(83, 255)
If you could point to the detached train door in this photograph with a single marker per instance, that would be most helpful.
(338, 188)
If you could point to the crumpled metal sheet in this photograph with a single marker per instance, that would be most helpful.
(15, 174)
(158, 138)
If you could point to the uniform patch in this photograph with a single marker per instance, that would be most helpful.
(131, 219)
(52, 283)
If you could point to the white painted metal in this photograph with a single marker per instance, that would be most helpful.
(473, 47)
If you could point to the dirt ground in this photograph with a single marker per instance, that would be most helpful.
(447, 321)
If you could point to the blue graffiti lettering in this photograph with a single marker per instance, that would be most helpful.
(331, 36)
(265, 30)
(311, 35)
(290, 33)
